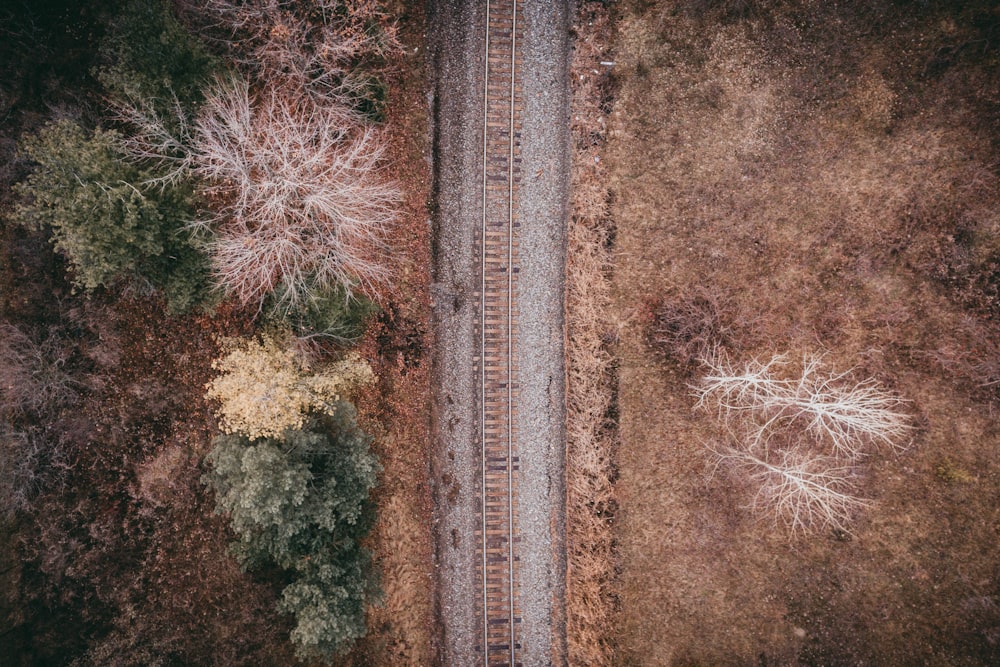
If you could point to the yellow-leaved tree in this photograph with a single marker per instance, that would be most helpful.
(264, 388)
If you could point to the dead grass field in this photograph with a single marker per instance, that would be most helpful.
(828, 172)
(590, 378)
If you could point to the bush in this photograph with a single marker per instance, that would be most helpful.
(317, 221)
(151, 57)
(104, 220)
(301, 502)
(34, 377)
(300, 206)
(265, 388)
(323, 49)
(336, 315)
(31, 463)
(684, 328)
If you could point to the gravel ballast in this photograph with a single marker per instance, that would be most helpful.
(457, 42)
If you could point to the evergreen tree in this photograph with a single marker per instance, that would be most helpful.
(104, 220)
(302, 503)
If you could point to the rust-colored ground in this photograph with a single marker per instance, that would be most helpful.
(397, 409)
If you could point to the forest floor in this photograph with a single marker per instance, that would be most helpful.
(398, 408)
(120, 557)
(817, 178)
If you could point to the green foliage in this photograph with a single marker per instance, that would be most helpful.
(301, 502)
(152, 58)
(328, 602)
(330, 313)
(105, 216)
(372, 98)
(104, 220)
(950, 472)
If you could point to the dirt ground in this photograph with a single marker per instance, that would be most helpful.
(827, 175)
(397, 410)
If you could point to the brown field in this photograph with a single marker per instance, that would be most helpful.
(824, 177)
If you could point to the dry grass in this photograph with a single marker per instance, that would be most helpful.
(402, 626)
(590, 386)
(829, 170)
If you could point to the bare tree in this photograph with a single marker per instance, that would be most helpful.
(799, 436)
(313, 47)
(302, 204)
(299, 203)
(805, 492)
(850, 417)
(33, 375)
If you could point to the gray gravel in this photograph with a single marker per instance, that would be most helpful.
(456, 37)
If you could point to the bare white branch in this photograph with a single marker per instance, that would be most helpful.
(296, 191)
(849, 418)
(798, 436)
(804, 492)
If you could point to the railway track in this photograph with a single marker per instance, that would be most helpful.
(499, 643)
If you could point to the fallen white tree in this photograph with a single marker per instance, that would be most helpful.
(800, 436)
(850, 418)
(803, 491)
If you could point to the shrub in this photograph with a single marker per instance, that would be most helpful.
(30, 464)
(686, 327)
(104, 220)
(336, 315)
(301, 502)
(265, 389)
(300, 205)
(34, 377)
(323, 48)
(151, 57)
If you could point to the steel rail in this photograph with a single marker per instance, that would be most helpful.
(510, 335)
(482, 340)
(493, 334)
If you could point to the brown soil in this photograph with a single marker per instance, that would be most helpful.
(827, 173)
